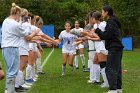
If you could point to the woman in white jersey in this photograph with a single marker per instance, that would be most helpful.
(23, 52)
(30, 70)
(101, 53)
(11, 33)
(68, 50)
(79, 48)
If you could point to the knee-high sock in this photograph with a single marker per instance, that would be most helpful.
(104, 76)
(28, 72)
(76, 61)
(38, 64)
(10, 85)
(92, 78)
(82, 59)
(63, 68)
(96, 72)
(91, 58)
(19, 79)
(33, 71)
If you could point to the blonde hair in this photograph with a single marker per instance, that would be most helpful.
(15, 9)
(24, 12)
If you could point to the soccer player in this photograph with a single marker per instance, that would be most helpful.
(101, 52)
(79, 48)
(11, 33)
(68, 49)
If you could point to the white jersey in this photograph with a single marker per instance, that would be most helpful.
(91, 44)
(11, 33)
(23, 43)
(79, 29)
(68, 40)
(80, 45)
(100, 45)
(33, 46)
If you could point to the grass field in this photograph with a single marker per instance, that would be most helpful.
(53, 82)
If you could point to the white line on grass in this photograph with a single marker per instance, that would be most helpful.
(46, 59)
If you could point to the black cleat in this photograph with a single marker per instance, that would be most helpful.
(20, 89)
(41, 73)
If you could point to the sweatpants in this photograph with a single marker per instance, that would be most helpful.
(114, 69)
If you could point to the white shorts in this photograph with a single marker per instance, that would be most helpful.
(69, 52)
(105, 52)
(23, 51)
(79, 46)
(33, 47)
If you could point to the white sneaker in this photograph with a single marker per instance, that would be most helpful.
(119, 91)
(35, 79)
(36, 76)
(63, 74)
(5, 91)
(112, 91)
(90, 81)
(26, 86)
(104, 85)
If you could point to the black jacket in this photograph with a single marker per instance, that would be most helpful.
(111, 35)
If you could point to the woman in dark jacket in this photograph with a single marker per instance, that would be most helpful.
(115, 49)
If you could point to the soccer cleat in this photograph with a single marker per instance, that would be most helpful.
(29, 82)
(35, 79)
(119, 91)
(112, 91)
(96, 83)
(36, 76)
(41, 73)
(103, 85)
(86, 70)
(20, 89)
(90, 81)
(63, 74)
(26, 86)
(77, 67)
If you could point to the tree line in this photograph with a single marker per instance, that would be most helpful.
(56, 12)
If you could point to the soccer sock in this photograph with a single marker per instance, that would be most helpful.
(92, 72)
(10, 85)
(28, 72)
(19, 79)
(90, 63)
(104, 76)
(82, 59)
(63, 68)
(38, 64)
(33, 71)
(76, 60)
(96, 72)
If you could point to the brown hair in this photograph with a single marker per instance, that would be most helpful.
(24, 12)
(97, 15)
(15, 9)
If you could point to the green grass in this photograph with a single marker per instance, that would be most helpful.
(53, 82)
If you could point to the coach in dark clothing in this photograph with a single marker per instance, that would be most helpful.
(114, 46)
